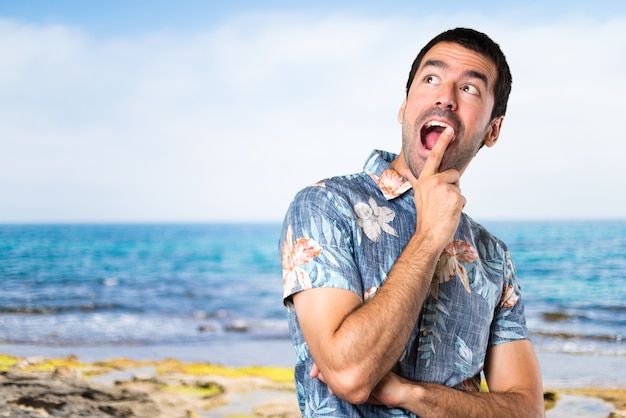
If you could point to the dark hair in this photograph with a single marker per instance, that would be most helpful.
(481, 43)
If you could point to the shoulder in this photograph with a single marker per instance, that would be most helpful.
(490, 248)
(334, 193)
(351, 187)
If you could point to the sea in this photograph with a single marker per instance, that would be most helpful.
(212, 292)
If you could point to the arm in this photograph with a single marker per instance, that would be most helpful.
(515, 389)
(355, 344)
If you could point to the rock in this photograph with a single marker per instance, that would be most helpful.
(124, 388)
(238, 325)
(35, 395)
(278, 409)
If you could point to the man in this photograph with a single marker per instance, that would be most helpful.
(398, 301)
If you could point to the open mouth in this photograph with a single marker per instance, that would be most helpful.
(430, 133)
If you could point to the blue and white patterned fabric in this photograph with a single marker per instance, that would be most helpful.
(346, 232)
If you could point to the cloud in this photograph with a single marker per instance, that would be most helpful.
(561, 151)
(227, 123)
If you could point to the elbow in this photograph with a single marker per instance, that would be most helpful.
(355, 396)
(351, 387)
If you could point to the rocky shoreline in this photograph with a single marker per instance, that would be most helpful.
(65, 387)
(35, 388)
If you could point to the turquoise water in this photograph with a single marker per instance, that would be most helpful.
(188, 285)
(138, 284)
(574, 282)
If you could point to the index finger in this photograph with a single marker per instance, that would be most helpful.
(433, 161)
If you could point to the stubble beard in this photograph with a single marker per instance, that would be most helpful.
(456, 156)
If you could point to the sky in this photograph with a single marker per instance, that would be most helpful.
(207, 111)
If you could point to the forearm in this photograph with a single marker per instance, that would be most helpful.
(357, 343)
(429, 400)
(370, 340)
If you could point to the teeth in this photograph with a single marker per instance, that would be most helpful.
(432, 123)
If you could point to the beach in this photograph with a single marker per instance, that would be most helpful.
(136, 316)
(583, 385)
(251, 379)
(68, 387)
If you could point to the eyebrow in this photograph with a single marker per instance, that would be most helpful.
(468, 73)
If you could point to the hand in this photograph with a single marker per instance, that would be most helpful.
(392, 390)
(437, 196)
(316, 373)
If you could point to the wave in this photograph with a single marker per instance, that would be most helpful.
(53, 310)
(576, 336)
(579, 343)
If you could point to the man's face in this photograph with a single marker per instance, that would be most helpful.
(452, 87)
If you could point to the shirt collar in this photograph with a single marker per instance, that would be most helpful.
(389, 181)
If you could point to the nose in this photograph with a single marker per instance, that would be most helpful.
(447, 98)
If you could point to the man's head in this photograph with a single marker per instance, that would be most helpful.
(460, 79)
(481, 43)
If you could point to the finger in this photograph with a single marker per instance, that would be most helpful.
(433, 161)
(315, 371)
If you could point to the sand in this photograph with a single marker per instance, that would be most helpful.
(66, 387)
(35, 387)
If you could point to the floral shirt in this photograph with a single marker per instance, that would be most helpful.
(346, 232)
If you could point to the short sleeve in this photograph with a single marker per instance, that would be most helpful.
(509, 322)
(316, 243)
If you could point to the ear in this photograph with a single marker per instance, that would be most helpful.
(401, 112)
(494, 131)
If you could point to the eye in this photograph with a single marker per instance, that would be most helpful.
(471, 89)
(431, 79)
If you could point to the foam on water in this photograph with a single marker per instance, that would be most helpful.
(194, 284)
